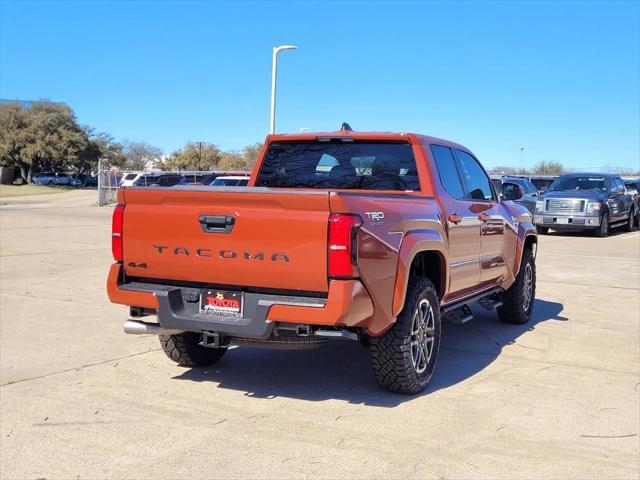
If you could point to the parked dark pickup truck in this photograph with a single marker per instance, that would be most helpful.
(585, 201)
(362, 236)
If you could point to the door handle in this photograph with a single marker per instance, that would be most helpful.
(217, 223)
(483, 217)
(455, 218)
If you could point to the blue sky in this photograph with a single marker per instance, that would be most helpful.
(560, 79)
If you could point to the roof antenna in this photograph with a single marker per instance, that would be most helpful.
(346, 127)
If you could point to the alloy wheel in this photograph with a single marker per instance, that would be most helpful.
(422, 336)
(528, 287)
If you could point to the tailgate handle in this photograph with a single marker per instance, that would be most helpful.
(217, 223)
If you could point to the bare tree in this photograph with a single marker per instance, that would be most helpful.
(140, 155)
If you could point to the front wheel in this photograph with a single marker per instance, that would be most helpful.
(405, 357)
(542, 230)
(517, 301)
(603, 230)
(185, 350)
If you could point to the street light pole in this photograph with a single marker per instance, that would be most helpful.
(521, 165)
(274, 69)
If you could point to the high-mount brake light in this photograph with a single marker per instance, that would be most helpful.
(342, 251)
(116, 233)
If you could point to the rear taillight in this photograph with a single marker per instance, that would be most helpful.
(343, 233)
(116, 232)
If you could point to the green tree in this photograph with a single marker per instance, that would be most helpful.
(548, 168)
(14, 121)
(43, 136)
(232, 161)
(200, 156)
(250, 154)
(108, 150)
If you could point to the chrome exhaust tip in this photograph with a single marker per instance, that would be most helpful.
(136, 327)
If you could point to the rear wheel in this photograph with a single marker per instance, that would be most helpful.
(603, 230)
(542, 230)
(184, 349)
(404, 358)
(517, 301)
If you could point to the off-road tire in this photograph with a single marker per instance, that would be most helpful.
(631, 221)
(603, 230)
(391, 353)
(542, 230)
(183, 349)
(515, 309)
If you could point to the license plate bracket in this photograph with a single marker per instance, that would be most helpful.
(222, 303)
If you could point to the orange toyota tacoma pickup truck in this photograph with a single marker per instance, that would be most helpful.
(373, 237)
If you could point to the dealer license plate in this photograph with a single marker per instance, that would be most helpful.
(222, 303)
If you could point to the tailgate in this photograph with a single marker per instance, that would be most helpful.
(253, 237)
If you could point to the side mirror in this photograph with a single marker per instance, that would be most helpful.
(511, 191)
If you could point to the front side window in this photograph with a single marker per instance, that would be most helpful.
(339, 165)
(447, 170)
(474, 177)
(530, 188)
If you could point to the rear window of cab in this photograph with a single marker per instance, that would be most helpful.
(340, 165)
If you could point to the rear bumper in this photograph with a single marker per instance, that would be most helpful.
(347, 305)
(564, 221)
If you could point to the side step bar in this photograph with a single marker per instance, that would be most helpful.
(459, 312)
(480, 297)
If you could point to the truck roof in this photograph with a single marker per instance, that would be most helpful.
(590, 174)
(384, 136)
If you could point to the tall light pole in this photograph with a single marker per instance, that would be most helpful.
(521, 165)
(274, 69)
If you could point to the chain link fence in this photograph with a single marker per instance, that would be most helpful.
(110, 180)
(108, 184)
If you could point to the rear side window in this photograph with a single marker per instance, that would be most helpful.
(474, 177)
(447, 170)
(339, 165)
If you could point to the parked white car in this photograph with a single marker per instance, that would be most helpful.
(128, 179)
(230, 181)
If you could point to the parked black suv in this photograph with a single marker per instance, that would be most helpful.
(585, 201)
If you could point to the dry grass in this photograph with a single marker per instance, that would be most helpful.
(7, 191)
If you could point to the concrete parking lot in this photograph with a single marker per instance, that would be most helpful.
(558, 398)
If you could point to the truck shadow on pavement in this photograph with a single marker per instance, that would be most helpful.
(341, 370)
